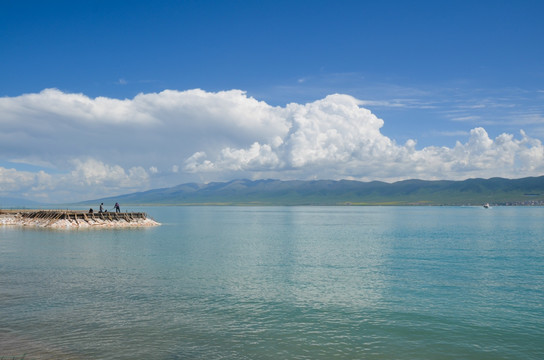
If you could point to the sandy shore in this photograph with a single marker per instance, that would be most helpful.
(14, 218)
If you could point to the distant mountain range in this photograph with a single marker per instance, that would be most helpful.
(496, 191)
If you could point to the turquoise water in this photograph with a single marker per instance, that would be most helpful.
(280, 283)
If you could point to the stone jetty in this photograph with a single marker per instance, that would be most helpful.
(74, 219)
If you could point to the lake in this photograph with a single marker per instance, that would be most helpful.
(280, 283)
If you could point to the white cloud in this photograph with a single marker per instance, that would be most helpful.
(13, 180)
(91, 172)
(102, 146)
(336, 138)
(466, 118)
(89, 178)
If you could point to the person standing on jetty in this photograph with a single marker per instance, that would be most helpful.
(117, 208)
(101, 208)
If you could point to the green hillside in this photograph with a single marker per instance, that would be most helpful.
(496, 191)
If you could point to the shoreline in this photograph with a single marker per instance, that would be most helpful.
(68, 219)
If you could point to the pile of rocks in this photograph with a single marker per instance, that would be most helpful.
(74, 219)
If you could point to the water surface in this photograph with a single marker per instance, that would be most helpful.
(280, 283)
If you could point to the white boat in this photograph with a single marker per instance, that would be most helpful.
(486, 206)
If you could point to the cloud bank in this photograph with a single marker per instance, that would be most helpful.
(58, 146)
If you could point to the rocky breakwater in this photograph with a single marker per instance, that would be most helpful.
(74, 219)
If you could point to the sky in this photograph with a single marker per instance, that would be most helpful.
(100, 98)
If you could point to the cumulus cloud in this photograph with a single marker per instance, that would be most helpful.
(102, 146)
(336, 138)
(89, 178)
(59, 126)
(13, 180)
(92, 172)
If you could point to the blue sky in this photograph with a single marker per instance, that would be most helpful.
(435, 73)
